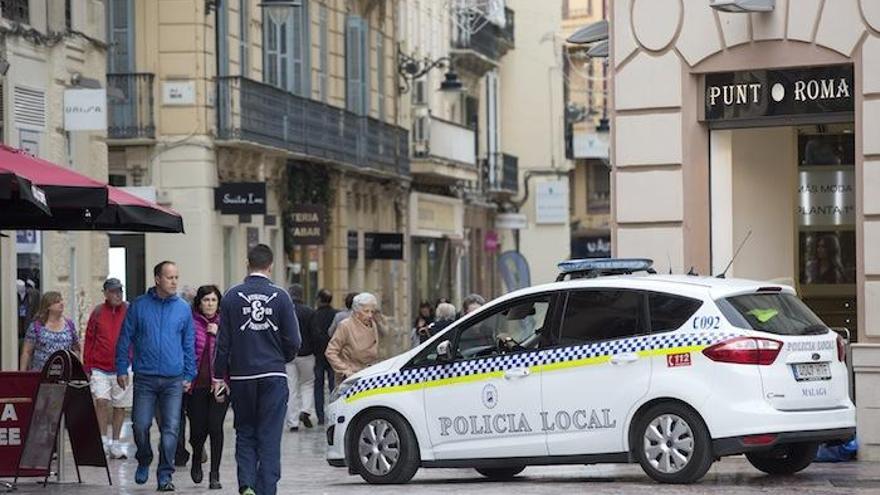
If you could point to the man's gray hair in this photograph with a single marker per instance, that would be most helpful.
(363, 299)
(445, 311)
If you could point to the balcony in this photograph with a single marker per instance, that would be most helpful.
(481, 51)
(130, 107)
(252, 112)
(443, 150)
(501, 175)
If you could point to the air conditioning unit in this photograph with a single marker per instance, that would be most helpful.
(743, 6)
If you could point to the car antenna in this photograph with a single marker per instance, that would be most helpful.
(741, 244)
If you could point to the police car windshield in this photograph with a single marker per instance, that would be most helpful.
(780, 314)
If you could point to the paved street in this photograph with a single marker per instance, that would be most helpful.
(305, 471)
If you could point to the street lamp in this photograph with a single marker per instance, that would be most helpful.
(410, 68)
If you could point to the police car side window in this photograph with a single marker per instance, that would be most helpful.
(595, 315)
(520, 325)
(669, 312)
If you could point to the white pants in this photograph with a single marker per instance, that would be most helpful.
(301, 384)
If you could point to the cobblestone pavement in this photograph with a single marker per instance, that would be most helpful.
(304, 470)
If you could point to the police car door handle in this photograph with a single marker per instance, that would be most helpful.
(626, 357)
(516, 373)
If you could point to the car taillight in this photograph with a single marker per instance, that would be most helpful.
(745, 350)
(841, 349)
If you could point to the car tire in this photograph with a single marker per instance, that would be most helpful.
(383, 449)
(672, 443)
(503, 473)
(784, 459)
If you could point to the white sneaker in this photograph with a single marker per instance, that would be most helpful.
(117, 451)
(106, 442)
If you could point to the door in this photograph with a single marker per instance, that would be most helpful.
(597, 373)
(486, 399)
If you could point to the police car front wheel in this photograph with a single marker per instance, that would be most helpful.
(384, 449)
(672, 444)
(504, 473)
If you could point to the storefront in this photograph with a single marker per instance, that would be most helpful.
(438, 246)
(772, 120)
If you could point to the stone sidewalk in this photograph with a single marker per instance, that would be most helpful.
(304, 470)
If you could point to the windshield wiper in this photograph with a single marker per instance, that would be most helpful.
(816, 329)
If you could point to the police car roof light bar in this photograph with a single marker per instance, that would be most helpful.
(600, 267)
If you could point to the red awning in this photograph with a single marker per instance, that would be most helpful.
(64, 187)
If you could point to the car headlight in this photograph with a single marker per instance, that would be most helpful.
(342, 389)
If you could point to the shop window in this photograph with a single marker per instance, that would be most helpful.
(16, 10)
(598, 188)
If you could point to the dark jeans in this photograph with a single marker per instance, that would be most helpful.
(154, 394)
(322, 369)
(206, 417)
(260, 407)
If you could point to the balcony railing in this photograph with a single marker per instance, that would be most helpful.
(130, 106)
(502, 174)
(252, 111)
(491, 41)
(434, 137)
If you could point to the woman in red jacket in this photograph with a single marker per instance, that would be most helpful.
(206, 411)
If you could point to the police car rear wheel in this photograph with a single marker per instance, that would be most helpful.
(384, 450)
(672, 444)
(504, 473)
(785, 459)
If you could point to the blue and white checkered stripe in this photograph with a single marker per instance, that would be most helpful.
(657, 342)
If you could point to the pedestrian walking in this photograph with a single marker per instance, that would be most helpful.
(349, 299)
(206, 411)
(355, 345)
(259, 335)
(158, 332)
(49, 333)
(445, 317)
(99, 363)
(423, 319)
(321, 321)
(28, 299)
(301, 372)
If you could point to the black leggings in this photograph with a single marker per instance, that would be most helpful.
(206, 417)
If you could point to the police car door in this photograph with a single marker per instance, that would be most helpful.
(595, 374)
(485, 400)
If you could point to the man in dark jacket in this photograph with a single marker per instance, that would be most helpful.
(158, 331)
(258, 336)
(321, 321)
(301, 372)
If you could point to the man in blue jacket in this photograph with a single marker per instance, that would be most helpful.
(158, 332)
(258, 336)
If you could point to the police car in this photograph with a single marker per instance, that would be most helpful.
(672, 372)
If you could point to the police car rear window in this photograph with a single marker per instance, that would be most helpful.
(780, 314)
(670, 312)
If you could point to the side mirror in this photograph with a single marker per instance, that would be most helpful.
(444, 350)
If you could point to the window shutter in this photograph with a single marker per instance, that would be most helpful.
(380, 73)
(30, 108)
(353, 64)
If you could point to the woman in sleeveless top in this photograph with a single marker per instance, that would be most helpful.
(48, 333)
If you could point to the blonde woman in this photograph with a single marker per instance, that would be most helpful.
(48, 333)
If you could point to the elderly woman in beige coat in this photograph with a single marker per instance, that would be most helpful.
(355, 344)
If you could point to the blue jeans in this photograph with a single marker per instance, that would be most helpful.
(260, 407)
(154, 394)
(322, 369)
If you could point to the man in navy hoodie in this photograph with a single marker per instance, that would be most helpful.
(158, 331)
(258, 336)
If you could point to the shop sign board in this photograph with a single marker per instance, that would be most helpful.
(383, 246)
(241, 198)
(827, 198)
(85, 109)
(491, 242)
(512, 221)
(762, 93)
(551, 202)
(306, 223)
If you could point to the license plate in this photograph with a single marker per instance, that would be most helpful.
(804, 372)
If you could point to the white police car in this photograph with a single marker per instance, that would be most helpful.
(672, 372)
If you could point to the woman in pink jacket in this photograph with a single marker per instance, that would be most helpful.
(205, 410)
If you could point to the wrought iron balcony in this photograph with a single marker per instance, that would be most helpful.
(501, 174)
(480, 51)
(130, 106)
(262, 114)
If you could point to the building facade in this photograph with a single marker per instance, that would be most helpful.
(47, 48)
(771, 120)
(218, 102)
(586, 136)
